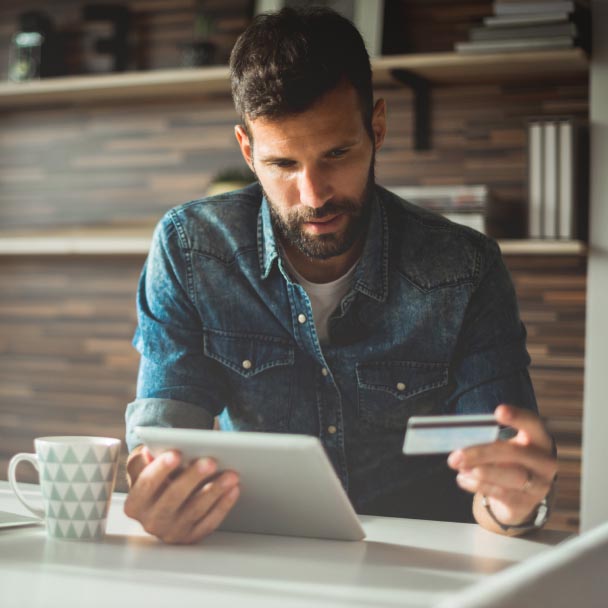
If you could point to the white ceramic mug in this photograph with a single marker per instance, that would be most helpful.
(77, 476)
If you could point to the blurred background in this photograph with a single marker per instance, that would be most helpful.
(117, 112)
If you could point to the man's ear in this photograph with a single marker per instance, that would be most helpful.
(244, 144)
(379, 123)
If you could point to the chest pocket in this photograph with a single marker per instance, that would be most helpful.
(259, 379)
(389, 392)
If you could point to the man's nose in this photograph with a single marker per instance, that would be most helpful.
(315, 187)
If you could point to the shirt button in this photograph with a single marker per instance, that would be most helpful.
(246, 364)
(401, 386)
(302, 318)
(331, 429)
(324, 372)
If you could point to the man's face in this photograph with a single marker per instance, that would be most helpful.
(317, 171)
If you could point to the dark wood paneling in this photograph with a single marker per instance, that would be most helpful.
(66, 363)
(130, 162)
(105, 165)
(479, 136)
(428, 26)
(552, 292)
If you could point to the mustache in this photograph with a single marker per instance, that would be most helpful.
(329, 208)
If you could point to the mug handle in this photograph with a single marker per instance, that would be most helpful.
(12, 469)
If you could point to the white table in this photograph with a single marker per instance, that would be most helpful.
(402, 562)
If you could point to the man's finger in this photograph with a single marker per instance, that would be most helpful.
(508, 477)
(536, 460)
(137, 461)
(149, 482)
(174, 523)
(216, 515)
(178, 492)
(204, 500)
(504, 481)
(526, 421)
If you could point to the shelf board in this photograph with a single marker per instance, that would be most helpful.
(79, 241)
(439, 68)
(542, 247)
(454, 68)
(108, 87)
(136, 241)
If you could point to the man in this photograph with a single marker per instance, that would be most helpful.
(317, 302)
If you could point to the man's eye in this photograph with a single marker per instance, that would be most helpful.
(283, 164)
(338, 153)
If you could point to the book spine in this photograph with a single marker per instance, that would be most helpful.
(523, 31)
(549, 228)
(535, 180)
(566, 183)
(520, 8)
(525, 44)
(511, 20)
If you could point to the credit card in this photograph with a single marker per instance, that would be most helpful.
(443, 434)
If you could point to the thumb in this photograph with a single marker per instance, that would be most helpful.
(137, 461)
(530, 428)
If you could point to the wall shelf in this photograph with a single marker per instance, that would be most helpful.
(113, 240)
(438, 68)
(136, 241)
(542, 247)
(457, 68)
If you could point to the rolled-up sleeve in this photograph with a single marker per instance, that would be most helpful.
(177, 384)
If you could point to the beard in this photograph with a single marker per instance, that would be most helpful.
(289, 228)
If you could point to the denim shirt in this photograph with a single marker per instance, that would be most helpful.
(430, 326)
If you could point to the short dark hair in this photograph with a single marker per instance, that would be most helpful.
(286, 61)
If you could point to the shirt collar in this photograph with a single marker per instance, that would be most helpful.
(268, 250)
(371, 275)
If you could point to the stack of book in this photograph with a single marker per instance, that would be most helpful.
(523, 25)
(466, 205)
(555, 181)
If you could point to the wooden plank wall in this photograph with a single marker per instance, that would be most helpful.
(66, 364)
(551, 293)
(110, 164)
(130, 161)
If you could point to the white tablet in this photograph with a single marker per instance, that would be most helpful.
(12, 520)
(288, 486)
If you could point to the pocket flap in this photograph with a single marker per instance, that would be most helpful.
(402, 379)
(247, 355)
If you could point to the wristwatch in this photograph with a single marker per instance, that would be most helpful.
(536, 521)
(539, 518)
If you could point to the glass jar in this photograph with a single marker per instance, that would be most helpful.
(24, 58)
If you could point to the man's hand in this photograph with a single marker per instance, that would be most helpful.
(178, 506)
(515, 475)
